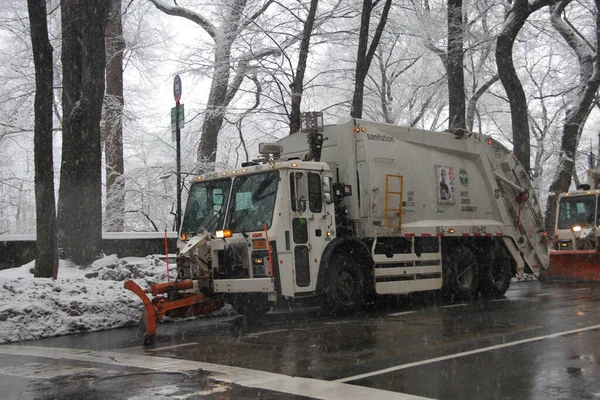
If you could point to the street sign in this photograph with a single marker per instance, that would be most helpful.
(177, 88)
(177, 115)
(180, 117)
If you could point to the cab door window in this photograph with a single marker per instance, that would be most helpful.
(301, 251)
(306, 188)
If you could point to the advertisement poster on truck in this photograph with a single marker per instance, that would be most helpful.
(445, 184)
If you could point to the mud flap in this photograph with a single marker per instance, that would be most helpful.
(516, 255)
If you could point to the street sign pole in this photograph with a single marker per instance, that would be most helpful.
(178, 139)
(177, 96)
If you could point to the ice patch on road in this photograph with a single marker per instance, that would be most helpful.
(524, 278)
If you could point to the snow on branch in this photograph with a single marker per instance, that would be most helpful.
(589, 72)
(187, 14)
(582, 51)
(257, 14)
(535, 5)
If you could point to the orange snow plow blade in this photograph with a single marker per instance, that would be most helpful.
(184, 304)
(573, 265)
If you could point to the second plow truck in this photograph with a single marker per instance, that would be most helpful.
(357, 209)
(575, 249)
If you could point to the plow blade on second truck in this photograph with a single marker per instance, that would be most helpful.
(178, 299)
(573, 265)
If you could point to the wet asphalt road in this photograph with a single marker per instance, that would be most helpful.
(540, 341)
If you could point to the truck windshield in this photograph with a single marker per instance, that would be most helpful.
(206, 206)
(577, 210)
(252, 202)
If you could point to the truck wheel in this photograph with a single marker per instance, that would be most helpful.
(496, 276)
(342, 289)
(461, 273)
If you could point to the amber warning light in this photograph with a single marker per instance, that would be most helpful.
(223, 234)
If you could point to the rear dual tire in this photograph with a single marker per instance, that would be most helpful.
(497, 274)
(461, 273)
(465, 276)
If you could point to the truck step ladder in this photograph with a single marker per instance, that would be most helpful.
(394, 186)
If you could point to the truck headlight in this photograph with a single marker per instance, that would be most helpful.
(564, 245)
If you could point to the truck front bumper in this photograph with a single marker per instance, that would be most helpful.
(246, 285)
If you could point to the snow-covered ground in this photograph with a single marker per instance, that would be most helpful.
(79, 300)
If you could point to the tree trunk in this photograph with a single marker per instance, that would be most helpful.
(589, 82)
(456, 78)
(215, 107)
(298, 83)
(217, 98)
(80, 193)
(472, 104)
(515, 19)
(385, 91)
(113, 120)
(361, 68)
(512, 85)
(46, 255)
(364, 56)
(562, 177)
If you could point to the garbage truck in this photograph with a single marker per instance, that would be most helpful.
(345, 212)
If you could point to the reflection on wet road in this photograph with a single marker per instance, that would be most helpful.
(537, 342)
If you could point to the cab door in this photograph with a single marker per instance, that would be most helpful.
(309, 228)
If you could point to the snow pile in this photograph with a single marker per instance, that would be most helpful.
(79, 300)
